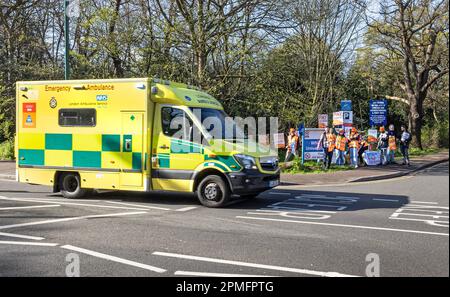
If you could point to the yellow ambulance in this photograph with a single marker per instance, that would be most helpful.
(116, 134)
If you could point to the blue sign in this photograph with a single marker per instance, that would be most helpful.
(372, 158)
(346, 105)
(378, 110)
(310, 141)
(102, 97)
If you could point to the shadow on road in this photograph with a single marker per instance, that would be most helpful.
(289, 200)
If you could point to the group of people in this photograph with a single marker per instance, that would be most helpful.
(355, 145)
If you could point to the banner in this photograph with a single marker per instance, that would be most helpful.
(338, 118)
(310, 139)
(372, 158)
(323, 121)
(378, 110)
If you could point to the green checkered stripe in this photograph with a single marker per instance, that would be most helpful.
(179, 146)
(84, 159)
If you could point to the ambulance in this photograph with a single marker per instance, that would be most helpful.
(117, 134)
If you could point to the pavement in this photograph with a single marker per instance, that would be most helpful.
(393, 227)
(368, 173)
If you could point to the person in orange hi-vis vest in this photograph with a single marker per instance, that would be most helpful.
(354, 144)
(341, 147)
(392, 145)
(292, 145)
(327, 142)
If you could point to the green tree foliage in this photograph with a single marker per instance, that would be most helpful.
(291, 59)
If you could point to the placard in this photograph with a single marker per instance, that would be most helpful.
(372, 158)
(278, 140)
(338, 118)
(323, 121)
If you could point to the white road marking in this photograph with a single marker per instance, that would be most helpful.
(21, 236)
(295, 208)
(385, 200)
(137, 205)
(28, 207)
(424, 202)
(28, 243)
(209, 274)
(113, 258)
(254, 265)
(69, 203)
(434, 215)
(186, 208)
(294, 214)
(345, 226)
(71, 219)
(279, 193)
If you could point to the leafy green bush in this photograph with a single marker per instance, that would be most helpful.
(7, 150)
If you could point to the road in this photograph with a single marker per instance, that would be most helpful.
(340, 230)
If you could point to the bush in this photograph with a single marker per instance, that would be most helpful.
(7, 150)
(436, 136)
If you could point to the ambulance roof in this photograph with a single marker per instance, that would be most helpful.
(163, 91)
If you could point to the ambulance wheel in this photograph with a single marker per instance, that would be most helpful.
(70, 186)
(213, 192)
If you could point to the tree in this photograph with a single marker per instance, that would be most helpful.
(410, 30)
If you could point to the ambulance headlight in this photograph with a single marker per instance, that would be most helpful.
(247, 161)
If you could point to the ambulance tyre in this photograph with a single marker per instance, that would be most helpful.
(70, 186)
(213, 191)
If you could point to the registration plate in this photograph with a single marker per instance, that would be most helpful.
(274, 183)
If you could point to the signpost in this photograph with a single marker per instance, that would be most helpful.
(347, 118)
(66, 41)
(310, 139)
(346, 105)
(378, 112)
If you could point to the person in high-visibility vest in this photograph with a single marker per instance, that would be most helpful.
(292, 146)
(362, 149)
(354, 143)
(392, 145)
(341, 147)
(328, 143)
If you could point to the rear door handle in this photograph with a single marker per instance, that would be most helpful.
(164, 147)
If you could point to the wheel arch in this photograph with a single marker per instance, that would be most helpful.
(198, 177)
(57, 179)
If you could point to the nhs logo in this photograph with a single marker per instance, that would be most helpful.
(102, 97)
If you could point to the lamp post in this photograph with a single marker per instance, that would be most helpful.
(66, 41)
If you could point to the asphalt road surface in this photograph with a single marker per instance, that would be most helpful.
(397, 227)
